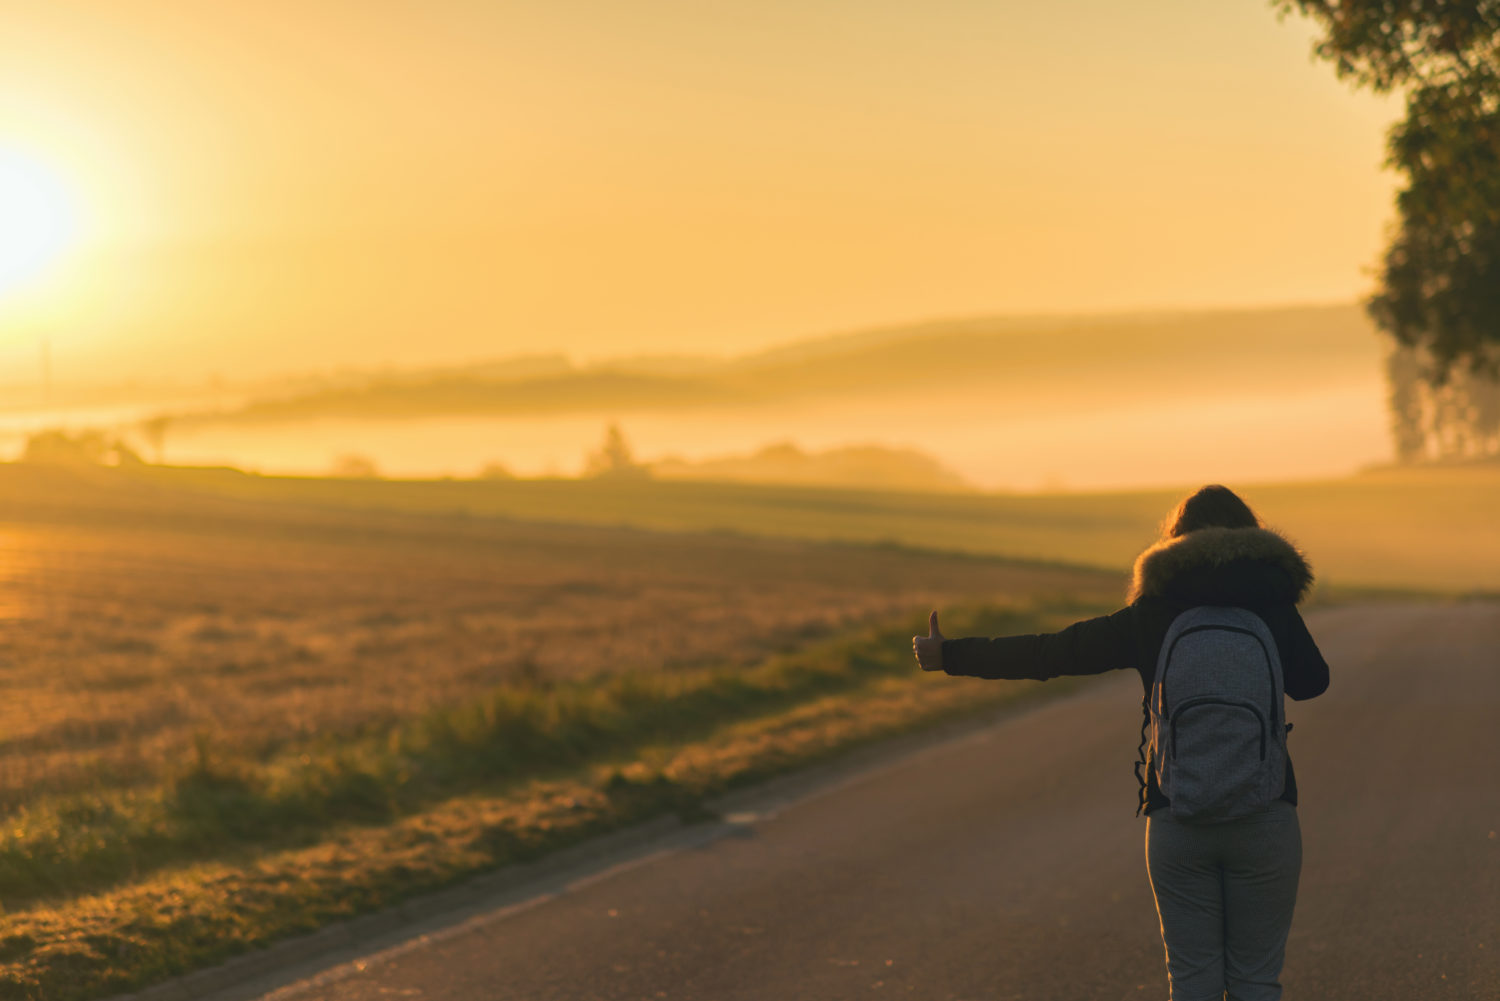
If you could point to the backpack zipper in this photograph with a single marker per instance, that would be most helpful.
(1270, 671)
(1212, 700)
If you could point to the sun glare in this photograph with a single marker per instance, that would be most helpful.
(38, 220)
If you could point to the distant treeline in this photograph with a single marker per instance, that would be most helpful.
(1454, 420)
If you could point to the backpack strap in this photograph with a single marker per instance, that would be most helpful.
(1140, 751)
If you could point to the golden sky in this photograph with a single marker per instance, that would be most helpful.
(303, 184)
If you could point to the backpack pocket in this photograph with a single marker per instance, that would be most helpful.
(1216, 759)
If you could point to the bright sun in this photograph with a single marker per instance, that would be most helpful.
(37, 217)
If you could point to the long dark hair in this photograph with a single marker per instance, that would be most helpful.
(1212, 506)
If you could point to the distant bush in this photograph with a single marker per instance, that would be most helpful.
(877, 467)
(495, 471)
(355, 467)
(86, 448)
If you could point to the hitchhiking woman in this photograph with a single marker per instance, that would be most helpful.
(1212, 628)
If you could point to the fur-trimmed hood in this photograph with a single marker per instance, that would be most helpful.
(1242, 566)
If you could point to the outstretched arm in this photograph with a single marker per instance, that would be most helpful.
(1092, 646)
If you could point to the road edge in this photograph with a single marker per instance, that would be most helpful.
(336, 950)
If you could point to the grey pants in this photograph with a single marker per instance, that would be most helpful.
(1224, 893)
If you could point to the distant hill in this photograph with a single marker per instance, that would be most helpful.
(1186, 353)
(863, 466)
(1026, 365)
(416, 395)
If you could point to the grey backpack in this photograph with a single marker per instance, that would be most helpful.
(1218, 734)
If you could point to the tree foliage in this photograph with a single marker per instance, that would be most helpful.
(1440, 282)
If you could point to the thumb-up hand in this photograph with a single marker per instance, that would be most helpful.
(929, 648)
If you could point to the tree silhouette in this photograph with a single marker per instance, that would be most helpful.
(155, 431)
(613, 458)
(1440, 282)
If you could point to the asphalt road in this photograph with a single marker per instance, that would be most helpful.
(1008, 864)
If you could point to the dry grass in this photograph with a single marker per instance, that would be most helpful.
(232, 719)
(184, 917)
(137, 621)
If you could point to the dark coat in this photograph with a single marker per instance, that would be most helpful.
(1252, 568)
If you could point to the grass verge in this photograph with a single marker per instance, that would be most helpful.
(111, 893)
